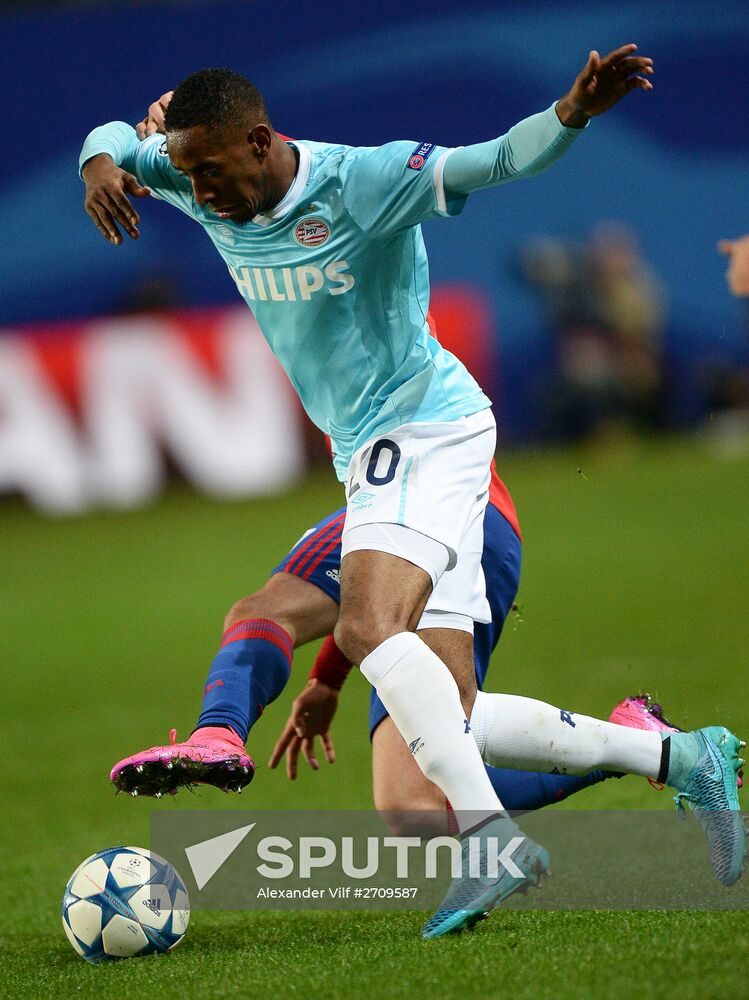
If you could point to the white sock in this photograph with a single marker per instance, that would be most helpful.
(423, 700)
(511, 731)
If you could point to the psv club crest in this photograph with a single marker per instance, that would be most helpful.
(311, 232)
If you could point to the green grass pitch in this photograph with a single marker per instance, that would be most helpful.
(635, 575)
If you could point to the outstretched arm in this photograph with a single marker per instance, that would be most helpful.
(536, 142)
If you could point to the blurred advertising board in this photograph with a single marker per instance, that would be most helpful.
(93, 413)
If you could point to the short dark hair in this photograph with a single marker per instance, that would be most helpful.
(217, 99)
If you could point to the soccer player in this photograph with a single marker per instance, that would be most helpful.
(324, 243)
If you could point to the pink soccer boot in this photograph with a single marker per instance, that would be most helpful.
(211, 756)
(639, 712)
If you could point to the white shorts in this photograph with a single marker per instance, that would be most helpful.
(419, 492)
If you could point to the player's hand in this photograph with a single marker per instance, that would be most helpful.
(602, 82)
(737, 274)
(106, 200)
(154, 120)
(311, 715)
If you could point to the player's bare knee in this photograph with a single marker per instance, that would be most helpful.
(347, 638)
(357, 637)
(260, 605)
(252, 606)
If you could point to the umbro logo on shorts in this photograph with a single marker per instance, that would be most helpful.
(362, 502)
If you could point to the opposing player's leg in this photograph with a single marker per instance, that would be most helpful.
(249, 671)
(522, 791)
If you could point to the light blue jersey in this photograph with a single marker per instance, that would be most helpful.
(337, 274)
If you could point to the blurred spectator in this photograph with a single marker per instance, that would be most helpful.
(737, 274)
(727, 381)
(607, 311)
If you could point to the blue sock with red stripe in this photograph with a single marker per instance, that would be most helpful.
(249, 671)
(525, 790)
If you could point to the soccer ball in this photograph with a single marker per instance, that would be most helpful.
(124, 902)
